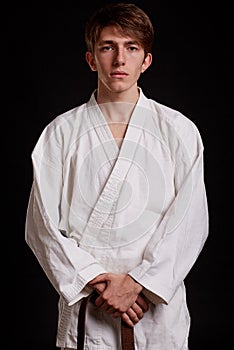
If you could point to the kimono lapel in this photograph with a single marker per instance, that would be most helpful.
(121, 159)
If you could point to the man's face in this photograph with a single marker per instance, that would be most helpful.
(118, 59)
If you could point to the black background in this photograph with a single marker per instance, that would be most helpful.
(46, 74)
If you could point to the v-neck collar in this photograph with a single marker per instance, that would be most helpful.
(102, 128)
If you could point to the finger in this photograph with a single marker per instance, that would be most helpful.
(143, 303)
(116, 314)
(132, 315)
(99, 301)
(98, 279)
(127, 320)
(99, 287)
(138, 311)
(104, 306)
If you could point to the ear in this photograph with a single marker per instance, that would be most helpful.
(147, 62)
(91, 60)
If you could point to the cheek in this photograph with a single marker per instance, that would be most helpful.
(103, 64)
(138, 67)
(100, 69)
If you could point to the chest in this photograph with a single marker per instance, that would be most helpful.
(118, 130)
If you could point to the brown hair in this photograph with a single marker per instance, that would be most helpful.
(129, 18)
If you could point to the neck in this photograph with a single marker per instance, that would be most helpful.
(129, 96)
(117, 112)
(117, 107)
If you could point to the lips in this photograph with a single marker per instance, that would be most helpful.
(118, 74)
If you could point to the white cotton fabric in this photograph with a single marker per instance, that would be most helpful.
(139, 209)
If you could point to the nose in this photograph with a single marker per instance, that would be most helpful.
(119, 59)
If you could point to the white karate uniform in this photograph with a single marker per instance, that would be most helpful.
(139, 209)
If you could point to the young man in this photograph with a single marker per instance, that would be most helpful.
(118, 203)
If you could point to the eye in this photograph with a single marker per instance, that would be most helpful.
(132, 48)
(106, 48)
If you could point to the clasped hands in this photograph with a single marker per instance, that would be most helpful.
(119, 296)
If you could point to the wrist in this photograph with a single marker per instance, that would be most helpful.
(138, 286)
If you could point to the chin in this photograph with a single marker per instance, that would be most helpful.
(120, 88)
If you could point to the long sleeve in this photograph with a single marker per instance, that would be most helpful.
(68, 267)
(182, 232)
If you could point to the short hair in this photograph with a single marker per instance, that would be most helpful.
(128, 18)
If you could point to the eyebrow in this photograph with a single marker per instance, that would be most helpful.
(129, 42)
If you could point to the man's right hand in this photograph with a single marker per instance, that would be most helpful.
(134, 314)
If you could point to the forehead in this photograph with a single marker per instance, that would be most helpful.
(113, 33)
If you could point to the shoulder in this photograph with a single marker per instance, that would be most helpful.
(163, 113)
(62, 130)
(170, 115)
(174, 119)
(176, 130)
(63, 120)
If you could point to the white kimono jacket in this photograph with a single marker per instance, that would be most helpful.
(139, 209)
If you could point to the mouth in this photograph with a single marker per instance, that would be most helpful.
(118, 74)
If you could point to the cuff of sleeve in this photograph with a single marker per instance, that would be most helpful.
(84, 293)
(155, 292)
(152, 297)
(79, 289)
(91, 271)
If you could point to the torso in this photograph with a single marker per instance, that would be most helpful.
(118, 131)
